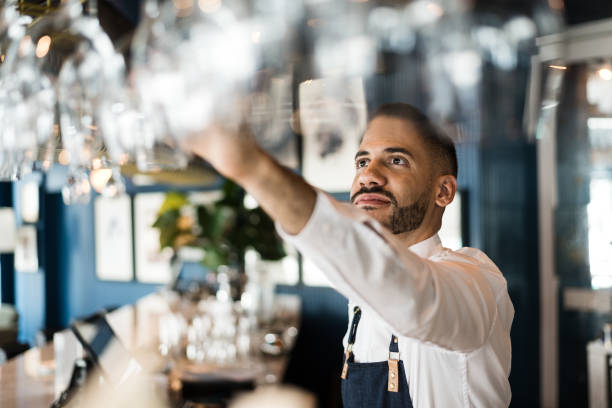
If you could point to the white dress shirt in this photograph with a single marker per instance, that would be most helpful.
(450, 309)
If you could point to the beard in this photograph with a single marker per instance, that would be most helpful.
(402, 219)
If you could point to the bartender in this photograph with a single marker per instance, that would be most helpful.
(428, 326)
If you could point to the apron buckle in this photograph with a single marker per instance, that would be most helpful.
(393, 375)
(345, 367)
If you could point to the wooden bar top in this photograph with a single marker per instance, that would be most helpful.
(24, 383)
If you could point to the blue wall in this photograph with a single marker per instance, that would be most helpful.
(29, 288)
(30, 304)
(84, 292)
(66, 286)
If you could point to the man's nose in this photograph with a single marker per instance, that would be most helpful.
(372, 176)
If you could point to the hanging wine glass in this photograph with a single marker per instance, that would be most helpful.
(189, 64)
(105, 178)
(194, 62)
(130, 137)
(26, 104)
(8, 20)
(270, 110)
(78, 59)
(141, 128)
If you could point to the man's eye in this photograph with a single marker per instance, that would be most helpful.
(398, 160)
(361, 163)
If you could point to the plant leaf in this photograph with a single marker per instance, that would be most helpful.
(173, 201)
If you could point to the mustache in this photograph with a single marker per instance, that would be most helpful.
(374, 190)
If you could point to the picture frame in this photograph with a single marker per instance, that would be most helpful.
(113, 238)
(152, 264)
(272, 118)
(29, 201)
(333, 117)
(8, 225)
(26, 250)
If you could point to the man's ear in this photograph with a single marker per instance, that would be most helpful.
(446, 189)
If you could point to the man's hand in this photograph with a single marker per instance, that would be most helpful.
(232, 152)
(284, 195)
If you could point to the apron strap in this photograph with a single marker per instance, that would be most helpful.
(354, 324)
(393, 362)
(393, 348)
(348, 354)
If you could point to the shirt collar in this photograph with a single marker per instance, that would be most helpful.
(426, 248)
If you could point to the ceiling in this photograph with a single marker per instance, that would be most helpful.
(575, 11)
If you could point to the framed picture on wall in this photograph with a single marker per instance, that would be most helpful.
(26, 250)
(333, 116)
(8, 226)
(29, 201)
(271, 117)
(113, 232)
(152, 264)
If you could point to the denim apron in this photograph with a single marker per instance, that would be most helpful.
(381, 384)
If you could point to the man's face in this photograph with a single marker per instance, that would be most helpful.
(393, 180)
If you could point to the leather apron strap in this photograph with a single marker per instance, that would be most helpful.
(381, 384)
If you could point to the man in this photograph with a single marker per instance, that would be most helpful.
(429, 327)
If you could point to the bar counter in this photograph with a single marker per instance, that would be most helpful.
(35, 378)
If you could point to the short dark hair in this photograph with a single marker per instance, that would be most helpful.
(440, 145)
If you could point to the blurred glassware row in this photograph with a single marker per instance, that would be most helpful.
(66, 96)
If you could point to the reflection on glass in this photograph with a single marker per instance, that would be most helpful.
(599, 209)
(599, 88)
(599, 212)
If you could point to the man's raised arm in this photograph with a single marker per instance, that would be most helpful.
(284, 195)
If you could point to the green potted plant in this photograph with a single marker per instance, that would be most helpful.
(224, 230)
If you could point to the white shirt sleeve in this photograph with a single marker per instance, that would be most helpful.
(445, 300)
